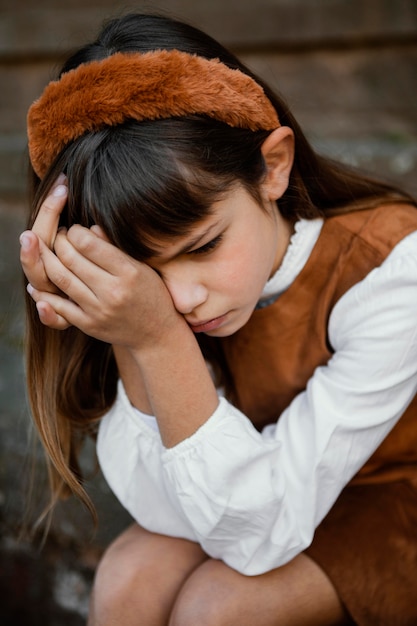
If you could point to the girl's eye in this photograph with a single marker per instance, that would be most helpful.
(208, 247)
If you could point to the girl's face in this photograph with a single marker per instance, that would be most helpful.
(216, 274)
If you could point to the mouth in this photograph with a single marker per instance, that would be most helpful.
(204, 327)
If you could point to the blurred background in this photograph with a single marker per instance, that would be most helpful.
(348, 69)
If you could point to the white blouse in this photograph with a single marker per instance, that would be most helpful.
(254, 499)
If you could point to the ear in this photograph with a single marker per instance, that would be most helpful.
(278, 152)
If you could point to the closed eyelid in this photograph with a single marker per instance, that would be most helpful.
(162, 257)
(207, 247)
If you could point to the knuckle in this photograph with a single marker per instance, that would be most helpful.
(95, 329)
(118, 295)
(62, 281)
(131, 273)
(51, 206)
(65, 255)
(61, 324)
(81, 238)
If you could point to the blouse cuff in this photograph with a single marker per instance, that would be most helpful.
(210, 425)
(150, 422)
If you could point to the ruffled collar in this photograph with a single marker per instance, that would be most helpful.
(302, 242)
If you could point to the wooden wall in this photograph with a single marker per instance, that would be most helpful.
(347, 67)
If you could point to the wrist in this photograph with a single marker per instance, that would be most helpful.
(165, 337)
(180, 390)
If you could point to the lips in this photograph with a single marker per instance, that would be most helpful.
(203, 327)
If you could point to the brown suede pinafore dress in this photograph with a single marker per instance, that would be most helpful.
(367, 544)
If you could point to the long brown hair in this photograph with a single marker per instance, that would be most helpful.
(141, 180)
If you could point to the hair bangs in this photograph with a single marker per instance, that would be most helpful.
(139, 186)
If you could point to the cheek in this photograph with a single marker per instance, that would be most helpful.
(235, 271)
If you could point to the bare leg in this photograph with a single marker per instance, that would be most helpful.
(139, 578)
(296, 594)
(146, 579)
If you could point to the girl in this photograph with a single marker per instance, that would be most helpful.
(184, 231)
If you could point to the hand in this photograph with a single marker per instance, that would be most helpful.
(44, 229)
(107, 294)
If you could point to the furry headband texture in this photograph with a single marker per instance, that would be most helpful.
(148, 86)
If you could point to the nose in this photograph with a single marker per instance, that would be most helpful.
(187, 293)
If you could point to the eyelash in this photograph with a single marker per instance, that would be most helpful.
(208, 247)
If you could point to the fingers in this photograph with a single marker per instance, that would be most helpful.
(56, 311)
(54, 308)
(97, 230)
(47, 220)
(103, 292)
(82, 253)
(62, 274)
(32, 263)
(48, 316)
(45, 229)
(92, 244)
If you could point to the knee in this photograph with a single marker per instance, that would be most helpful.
(139, 578)
(208, 597)
(118, 573)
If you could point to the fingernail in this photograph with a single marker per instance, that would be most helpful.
(61, 179)
(60, 191)
(24, 241)
(29, 289)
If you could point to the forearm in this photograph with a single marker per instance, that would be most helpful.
(173, 376)
(132, 378)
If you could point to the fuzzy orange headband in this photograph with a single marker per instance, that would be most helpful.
(147, 86)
